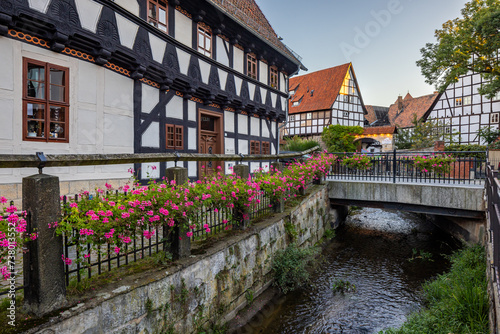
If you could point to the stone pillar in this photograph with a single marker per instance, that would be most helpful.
(279, 206)
(180, 243)
(178, 174)
(277, 166)
(319, 178)
(241, 217)
(242, 171)
(43, 267)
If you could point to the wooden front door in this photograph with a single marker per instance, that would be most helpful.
(210, 141)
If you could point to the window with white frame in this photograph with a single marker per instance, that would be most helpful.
(467, 100)
(494, 118)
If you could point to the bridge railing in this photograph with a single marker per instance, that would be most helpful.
(407, 167)
(493, 215)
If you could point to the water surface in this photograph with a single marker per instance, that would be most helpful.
(375, 252)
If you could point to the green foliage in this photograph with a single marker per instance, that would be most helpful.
(466, 148)
(289, 267)
(329, 234)
(149, 306)
(488, 134)
(457, 301)
(403, 139)
(357, 161)
(342, 286)
(420, 255)
(422, 134)
(299, 144)
(249, 296)
(340, 138)
(291, 230)
(474, 34)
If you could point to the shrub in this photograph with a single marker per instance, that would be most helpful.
(299, 144)
(289, 267)
(340, 138)
(465, 149)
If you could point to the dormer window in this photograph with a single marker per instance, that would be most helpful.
(296, 103)
(204, 40)
(157, 14)
(273, 78)
(251, 66)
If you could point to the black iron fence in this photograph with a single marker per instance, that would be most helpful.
(399, 167)
(493, 214)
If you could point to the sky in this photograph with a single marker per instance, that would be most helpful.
(382, 39)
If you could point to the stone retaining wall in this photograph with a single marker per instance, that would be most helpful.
(203, 289)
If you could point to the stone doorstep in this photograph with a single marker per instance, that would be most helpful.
(77, 305)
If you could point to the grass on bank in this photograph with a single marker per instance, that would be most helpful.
(457, 301)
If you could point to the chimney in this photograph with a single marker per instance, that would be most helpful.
(400, 103)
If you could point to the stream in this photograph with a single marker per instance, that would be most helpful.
(387, 255)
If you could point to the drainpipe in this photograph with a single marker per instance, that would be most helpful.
(286, 111)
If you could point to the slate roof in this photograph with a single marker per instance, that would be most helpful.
(402, 118)
(249, 14)
(317, 90)
(377, 116)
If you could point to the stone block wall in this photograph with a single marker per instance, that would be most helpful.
(203, 289)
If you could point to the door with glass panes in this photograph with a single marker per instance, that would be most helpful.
(210, 141)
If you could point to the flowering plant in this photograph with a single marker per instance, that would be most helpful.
(438, 163)
(13, 236)
(118, 218)
(357, 161)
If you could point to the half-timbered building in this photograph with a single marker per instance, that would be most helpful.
(321, 98)
(465, 111)
(139, 76)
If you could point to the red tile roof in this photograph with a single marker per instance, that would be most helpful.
(318, 90)
(249, 14)
(419, 105)
(377, 130)
(370, 115)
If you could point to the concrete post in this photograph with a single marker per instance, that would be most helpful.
(178, 174)
(276, 166)
(180, 243)
(279, 206)
(242, 171)
(43, 267)
(241, 214)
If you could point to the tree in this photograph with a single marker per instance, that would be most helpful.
(422, 134)
(340, 138)
(489, 134)
(470, 43)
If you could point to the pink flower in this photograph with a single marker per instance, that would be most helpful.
(3, 200)
(117, 250)
(73, 205)
(189, 234)
(66, 260)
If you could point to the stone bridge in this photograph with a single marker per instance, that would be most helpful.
(454, 200)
